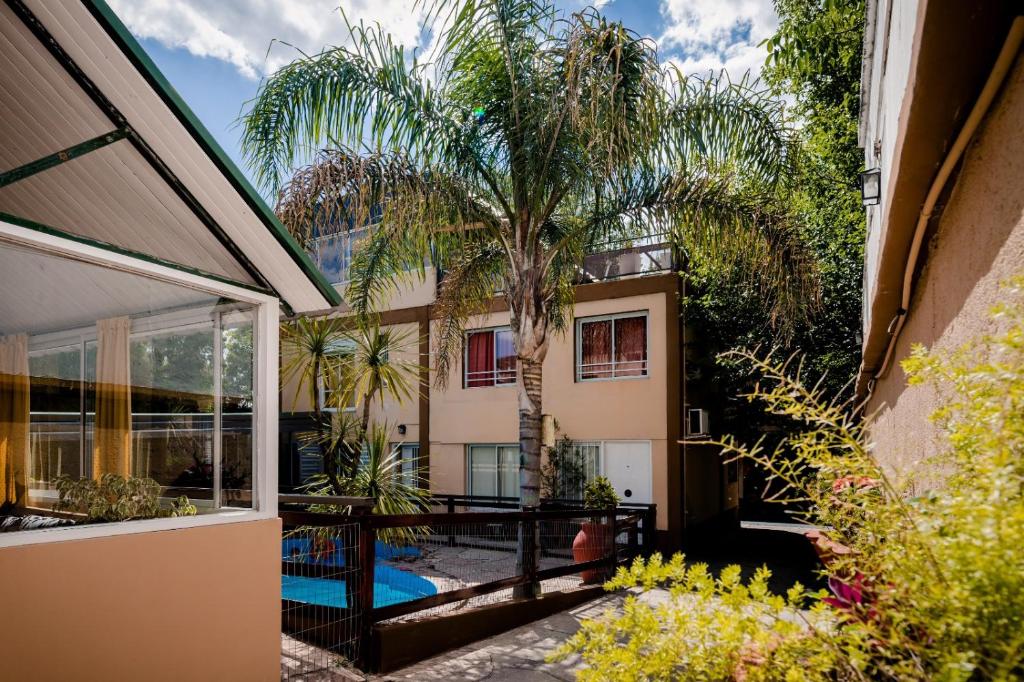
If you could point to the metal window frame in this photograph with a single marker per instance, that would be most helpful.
(494, 371)
(612, 317)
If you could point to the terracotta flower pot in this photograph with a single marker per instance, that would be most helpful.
(826, 549)
(592, 542)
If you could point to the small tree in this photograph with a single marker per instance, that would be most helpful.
(348, 361)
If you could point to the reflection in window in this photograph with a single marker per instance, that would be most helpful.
(104, 371)
(493, 470)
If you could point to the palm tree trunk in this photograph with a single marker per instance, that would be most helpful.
(530, 412)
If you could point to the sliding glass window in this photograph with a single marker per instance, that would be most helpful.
(143, 387)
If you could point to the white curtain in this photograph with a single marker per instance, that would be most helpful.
(112, 443)
(14, 416)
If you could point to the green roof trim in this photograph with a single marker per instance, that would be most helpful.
(138, 57)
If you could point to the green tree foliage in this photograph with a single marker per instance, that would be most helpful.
(529, 137)
(925, 570)
(815, 61)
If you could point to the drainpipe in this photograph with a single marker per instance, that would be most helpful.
(1000, 70)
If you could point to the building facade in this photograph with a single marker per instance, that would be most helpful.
(941, 120)
(613, 383)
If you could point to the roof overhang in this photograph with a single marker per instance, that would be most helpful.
(97, 145)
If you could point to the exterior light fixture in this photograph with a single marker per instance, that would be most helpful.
(401, 429)
(871, 186)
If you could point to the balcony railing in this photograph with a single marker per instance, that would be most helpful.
(333, 253)
(618, 259)
(490, 377)
(613, 369)
(613, 260)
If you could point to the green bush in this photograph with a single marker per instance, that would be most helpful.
(928, 586)
(116, 498)
(599, 494)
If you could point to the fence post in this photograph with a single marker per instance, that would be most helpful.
(613, 557)
(451, 510)
(650, 529)
(367, 559)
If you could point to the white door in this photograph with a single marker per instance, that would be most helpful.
(627, 464)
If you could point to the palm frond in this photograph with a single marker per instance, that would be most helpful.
(346, 95)
(733, 126)
(470, 282)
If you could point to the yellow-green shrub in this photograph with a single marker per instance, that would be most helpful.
(934, 580)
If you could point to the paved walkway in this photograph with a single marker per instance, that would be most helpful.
(517, 655)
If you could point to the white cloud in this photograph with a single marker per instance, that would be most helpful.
(717, 34)
(241, 31)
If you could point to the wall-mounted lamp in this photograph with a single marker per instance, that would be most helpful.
(871, 186)
(401, 429)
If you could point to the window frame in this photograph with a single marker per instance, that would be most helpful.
(267, 310)
(611, 317)
(341, 348)
(494, 345)
(496, 448)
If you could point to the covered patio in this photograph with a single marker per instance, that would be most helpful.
(143, 280)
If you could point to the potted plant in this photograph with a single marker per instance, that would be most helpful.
(594, 540)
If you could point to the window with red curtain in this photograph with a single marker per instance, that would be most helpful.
(612, 347)
(595, 350)
(630, 346)
(490, 359)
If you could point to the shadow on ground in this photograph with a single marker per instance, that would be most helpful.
(788, 555)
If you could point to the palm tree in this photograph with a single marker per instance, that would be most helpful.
(311, 363)
(342, 363)
(374, 368)
(528, 137)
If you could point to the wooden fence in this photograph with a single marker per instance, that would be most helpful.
(630, 529)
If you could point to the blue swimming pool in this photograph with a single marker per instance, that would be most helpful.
(390, 586)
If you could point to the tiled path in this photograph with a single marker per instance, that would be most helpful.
(515, 655)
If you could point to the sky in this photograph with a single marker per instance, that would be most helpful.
(215, 53)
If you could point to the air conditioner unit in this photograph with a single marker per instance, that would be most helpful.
(697, 422)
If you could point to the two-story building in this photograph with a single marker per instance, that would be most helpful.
(614, 382)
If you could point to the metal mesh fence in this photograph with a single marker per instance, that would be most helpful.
(448, 562)
(319, 614)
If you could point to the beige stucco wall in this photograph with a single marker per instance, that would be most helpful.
(626, 409)
(411, 290)
(191, 604)
(979, 242)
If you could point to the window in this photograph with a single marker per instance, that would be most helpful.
(330, 396)
(571, 465)
(105, 370)
(611, 347)
(490, 359)
(493, 471)
(409, 454)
